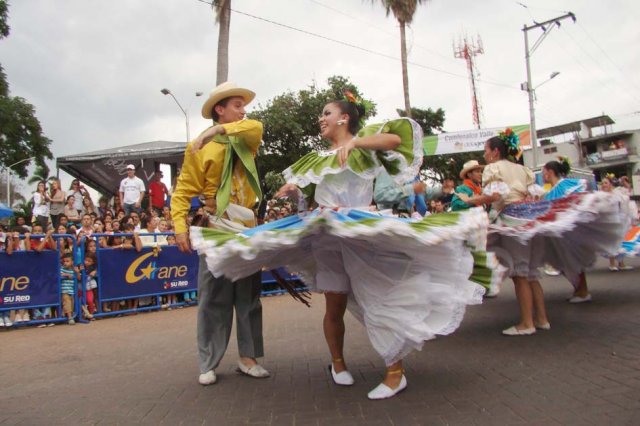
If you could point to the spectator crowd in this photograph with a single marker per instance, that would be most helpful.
(115, 223)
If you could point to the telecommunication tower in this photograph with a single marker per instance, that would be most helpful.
(467, 49)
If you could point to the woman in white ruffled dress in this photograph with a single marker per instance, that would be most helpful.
(504, 183)
(613, 186)
(566, 232)
(406, 281)
(555, 173)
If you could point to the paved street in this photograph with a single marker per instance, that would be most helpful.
(143, 369)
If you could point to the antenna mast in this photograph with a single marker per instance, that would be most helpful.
(467, 49)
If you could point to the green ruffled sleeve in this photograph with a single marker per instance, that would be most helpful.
(402, 163)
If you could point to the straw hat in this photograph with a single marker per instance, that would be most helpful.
(468, 166)
(225, 90)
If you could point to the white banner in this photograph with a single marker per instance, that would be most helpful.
(469, 140)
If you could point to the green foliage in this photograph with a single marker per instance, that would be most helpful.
(428, 119)
(4, 19)
(24, 209)
(20, 131)
(403, 10)
(291, 126)
(439, 167)
(273, 181)
(39, 174)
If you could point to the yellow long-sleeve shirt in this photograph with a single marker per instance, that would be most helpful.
(202, 172)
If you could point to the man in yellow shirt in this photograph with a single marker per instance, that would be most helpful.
(219, 165)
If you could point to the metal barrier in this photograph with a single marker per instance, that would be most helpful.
(26, 278)
(148, 274)
(156, 270)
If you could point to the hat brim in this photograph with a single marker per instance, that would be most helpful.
(464, 172)
(245, 94)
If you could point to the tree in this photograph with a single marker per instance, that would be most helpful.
(39, 174)
(20, 131)
(438, 167)
(223, 19)
(403, 11)
(24, 209)
(291, 126)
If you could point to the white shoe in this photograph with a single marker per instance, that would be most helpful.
(207, 378)
(383, 391)
(17, 319)
(343, 378)
(545, 326)
(551, 271)
(513, 331)
(578, 299)
(1, 321)
(256, 371)
(25, 317)
(7, 322)
(493, 292)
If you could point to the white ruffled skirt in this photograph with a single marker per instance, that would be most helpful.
(567, 233)
(407, 281)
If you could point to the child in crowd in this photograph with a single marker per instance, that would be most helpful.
(67, 287)
(38, 244)
(91, 275)
(6, 246)
(20, 244)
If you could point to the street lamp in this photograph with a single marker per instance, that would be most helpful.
(8, 169)
(525, 86)
(166, 91)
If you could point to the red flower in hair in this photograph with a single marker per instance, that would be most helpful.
(350, 97)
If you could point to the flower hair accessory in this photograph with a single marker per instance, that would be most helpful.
(610, 176)
(349, 96)
(512, 141)
(362, 106)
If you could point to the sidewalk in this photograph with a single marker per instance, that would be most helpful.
(143, 369)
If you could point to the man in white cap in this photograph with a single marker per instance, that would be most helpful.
(219, 165)
(131, 191)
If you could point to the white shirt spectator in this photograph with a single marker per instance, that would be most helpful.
(131, 189)
(40, 208)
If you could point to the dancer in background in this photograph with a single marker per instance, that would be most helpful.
(566, 233)
(615, 187)
(555, 173)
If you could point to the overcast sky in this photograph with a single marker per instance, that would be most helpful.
(93, 69)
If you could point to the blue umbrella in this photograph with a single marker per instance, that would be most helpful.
(5, 211)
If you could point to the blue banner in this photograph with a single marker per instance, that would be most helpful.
(29, 279)
(124, 274)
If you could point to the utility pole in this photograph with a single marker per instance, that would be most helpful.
(546, 27)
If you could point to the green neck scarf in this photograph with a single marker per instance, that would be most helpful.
(236, 148)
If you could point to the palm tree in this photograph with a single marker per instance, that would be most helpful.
(39, 174)
(223, 19)
(403, 11)
(24, 208)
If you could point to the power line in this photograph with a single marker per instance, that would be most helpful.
(364, 49)
(605, 82)
(604, 52)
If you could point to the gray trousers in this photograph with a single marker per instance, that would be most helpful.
(217, 298)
